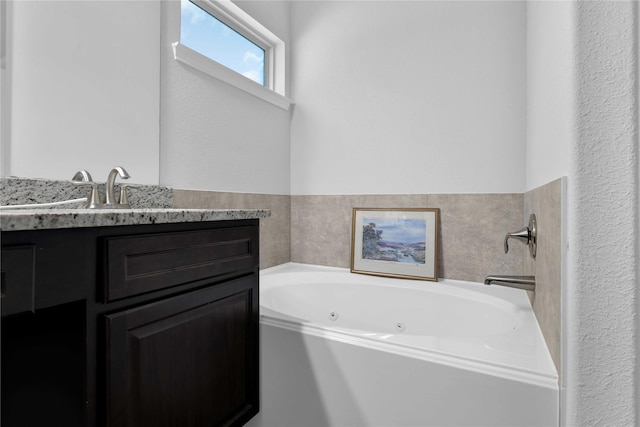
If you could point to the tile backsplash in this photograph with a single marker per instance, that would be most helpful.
(472, 228)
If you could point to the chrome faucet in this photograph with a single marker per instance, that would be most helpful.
(111, 179)
(528, 283)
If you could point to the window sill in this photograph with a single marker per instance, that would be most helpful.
(200, 62)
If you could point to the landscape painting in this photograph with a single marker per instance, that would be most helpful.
(395, 242)
(394, 239)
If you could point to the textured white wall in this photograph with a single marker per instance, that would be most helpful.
(602, 290)
(550, 90)
(84, 81)
(408, 97)
(215, 136)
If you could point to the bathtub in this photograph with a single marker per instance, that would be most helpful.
(343, 349)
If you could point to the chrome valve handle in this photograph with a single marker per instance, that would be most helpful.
(527, 235)
(523, 235)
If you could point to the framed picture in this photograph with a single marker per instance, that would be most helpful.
(395, 242)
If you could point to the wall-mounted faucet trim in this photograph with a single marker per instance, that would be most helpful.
(527, 235)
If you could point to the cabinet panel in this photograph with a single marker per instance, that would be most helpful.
(43, 368)
(144, 263)
(18, 279)
(189, 360)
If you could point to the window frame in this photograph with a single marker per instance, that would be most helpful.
(273, 90)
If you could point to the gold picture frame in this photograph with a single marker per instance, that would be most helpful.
(397, 242)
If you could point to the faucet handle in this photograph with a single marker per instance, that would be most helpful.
(83, 177)
(523, 235)
(527, 235)
(124, 198)
(124, 194)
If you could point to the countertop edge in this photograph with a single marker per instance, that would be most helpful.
(46, 219)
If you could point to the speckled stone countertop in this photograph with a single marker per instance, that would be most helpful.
(42, 219)
(18, 191)
(151, 205)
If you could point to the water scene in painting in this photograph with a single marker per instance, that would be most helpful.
(394, 239)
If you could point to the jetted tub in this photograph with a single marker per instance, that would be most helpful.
(343, 349)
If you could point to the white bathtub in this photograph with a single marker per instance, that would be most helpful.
(342, 349)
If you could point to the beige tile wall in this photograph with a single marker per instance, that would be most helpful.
(546, 203)
(275, 231)
(471, 232)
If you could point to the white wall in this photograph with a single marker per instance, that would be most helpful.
(550, 90)
(88, 79)
(408, 97)
(602, 289)
(215, 136)
(84, 89)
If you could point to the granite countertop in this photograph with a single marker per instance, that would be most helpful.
(41, 219)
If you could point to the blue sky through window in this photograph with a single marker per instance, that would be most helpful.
(212, 38)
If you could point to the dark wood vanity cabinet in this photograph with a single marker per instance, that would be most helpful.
(163, 333)
(183, 360)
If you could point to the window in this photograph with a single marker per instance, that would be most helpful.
(216, 40)
(220, 39)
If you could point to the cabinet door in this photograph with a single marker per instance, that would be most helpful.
(190, 360)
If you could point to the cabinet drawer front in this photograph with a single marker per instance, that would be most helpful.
(145, 263)
(18, 279)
